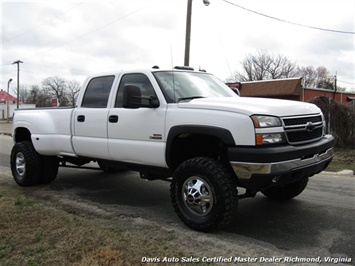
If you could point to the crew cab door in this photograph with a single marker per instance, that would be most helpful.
(90, 119)
(136, 133)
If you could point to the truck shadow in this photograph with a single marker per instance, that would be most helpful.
(119, 188)
(288, 225)
(123, 192)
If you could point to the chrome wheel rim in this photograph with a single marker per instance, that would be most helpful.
(197, 196)
(20, 164)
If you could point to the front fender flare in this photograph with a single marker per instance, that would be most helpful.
(221, 133)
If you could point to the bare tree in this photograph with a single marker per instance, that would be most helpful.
(256, 66)
(317, 78)
(309, 76)
(23, 94)
(263, 66)
(281, 67)
(322, 74)
(34, 94)
(73, 88)
(39, 97)
(324, 79)
(57, 86)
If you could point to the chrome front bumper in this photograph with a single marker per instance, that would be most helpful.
(245, 170)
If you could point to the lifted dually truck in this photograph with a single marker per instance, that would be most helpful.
(179, 125)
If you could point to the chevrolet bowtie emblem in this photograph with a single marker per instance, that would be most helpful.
(310, 126)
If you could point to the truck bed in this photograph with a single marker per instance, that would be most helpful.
(51, 129)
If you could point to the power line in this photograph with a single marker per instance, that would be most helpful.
(88, 33)
(41, 24)
(350, 83)
(286, 21)
(81, 36)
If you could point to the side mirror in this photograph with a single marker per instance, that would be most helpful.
(235, 90)
(132, 98)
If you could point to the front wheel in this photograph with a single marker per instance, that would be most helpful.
(286, 192)
(204, 194)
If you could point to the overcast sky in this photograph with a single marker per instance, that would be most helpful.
(75, 39)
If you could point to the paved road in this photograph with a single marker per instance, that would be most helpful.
(319, 222)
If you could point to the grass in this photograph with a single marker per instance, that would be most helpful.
(34, 232)
(22, 203)
(343, 159)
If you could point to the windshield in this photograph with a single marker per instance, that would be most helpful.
(178, 86)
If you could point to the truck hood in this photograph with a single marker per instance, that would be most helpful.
(250, 106)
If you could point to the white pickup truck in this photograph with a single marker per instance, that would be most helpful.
(180, 125)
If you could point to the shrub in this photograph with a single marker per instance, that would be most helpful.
(340, 119)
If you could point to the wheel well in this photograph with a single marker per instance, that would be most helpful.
(22, 134)
(186, 146)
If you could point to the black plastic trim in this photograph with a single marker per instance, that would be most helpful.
(279, 153)
(223, 134)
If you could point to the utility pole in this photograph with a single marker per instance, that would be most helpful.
(188, 30)
(335, 85)
(188, 33)
(18, 62)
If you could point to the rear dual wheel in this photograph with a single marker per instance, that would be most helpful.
(30, 168)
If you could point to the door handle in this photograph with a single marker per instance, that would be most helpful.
(80, 118)
(113, 118)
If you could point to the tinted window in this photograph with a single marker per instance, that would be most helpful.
(97, 92)
(177, 86)
(139, 80)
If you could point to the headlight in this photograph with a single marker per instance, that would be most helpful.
(263, 135)
(269, 138)
(266, 121)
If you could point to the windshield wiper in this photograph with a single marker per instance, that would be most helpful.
(190, 98)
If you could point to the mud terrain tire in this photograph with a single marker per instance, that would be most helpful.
(50, 165)
(25, 164)
(204, 194)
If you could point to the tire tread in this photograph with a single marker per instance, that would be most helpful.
(33, 164)
(225, 187)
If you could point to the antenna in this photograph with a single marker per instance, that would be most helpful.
(172, 69)
(171, 56)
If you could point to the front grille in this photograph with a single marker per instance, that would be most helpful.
(301, 136)
(303, 129)
(301, 120)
